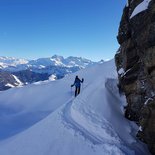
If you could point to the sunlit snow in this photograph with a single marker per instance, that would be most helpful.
(46, 119)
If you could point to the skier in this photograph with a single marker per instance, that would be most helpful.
(77, 84)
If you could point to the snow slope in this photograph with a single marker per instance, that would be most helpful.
(45, 118)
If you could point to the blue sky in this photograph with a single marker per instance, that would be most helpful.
(41, 28)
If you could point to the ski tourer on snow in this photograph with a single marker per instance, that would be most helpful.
(77, 84)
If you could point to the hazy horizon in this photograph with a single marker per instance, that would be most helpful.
(16, 57)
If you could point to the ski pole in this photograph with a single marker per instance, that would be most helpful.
(71, 91)
(82, 82)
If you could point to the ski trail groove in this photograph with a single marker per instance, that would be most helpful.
(77, 127)
(88, 135)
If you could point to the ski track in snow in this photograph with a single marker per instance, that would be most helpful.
(86, 132)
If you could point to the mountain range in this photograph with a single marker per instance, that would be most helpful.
(17, 72)
(16, 64)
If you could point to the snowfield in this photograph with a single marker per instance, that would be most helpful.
(45, 119)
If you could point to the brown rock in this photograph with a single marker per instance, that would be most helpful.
(136, 56)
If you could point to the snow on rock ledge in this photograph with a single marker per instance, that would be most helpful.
(141, 7)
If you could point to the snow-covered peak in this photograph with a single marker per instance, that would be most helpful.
(10, 61)
(13, 64)
(58, 57)
(59, 60)
(43, 62)
(78, 61)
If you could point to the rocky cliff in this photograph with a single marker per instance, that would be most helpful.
(135, 61)
(7, 81)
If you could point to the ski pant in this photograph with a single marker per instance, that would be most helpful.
(77, 91)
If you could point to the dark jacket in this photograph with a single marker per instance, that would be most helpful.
(77, 82)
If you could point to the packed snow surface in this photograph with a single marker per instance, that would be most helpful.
(141, 7)
(45, 119)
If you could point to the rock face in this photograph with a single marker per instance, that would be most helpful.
(7, 80)
(135, 61)
(27, 76)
